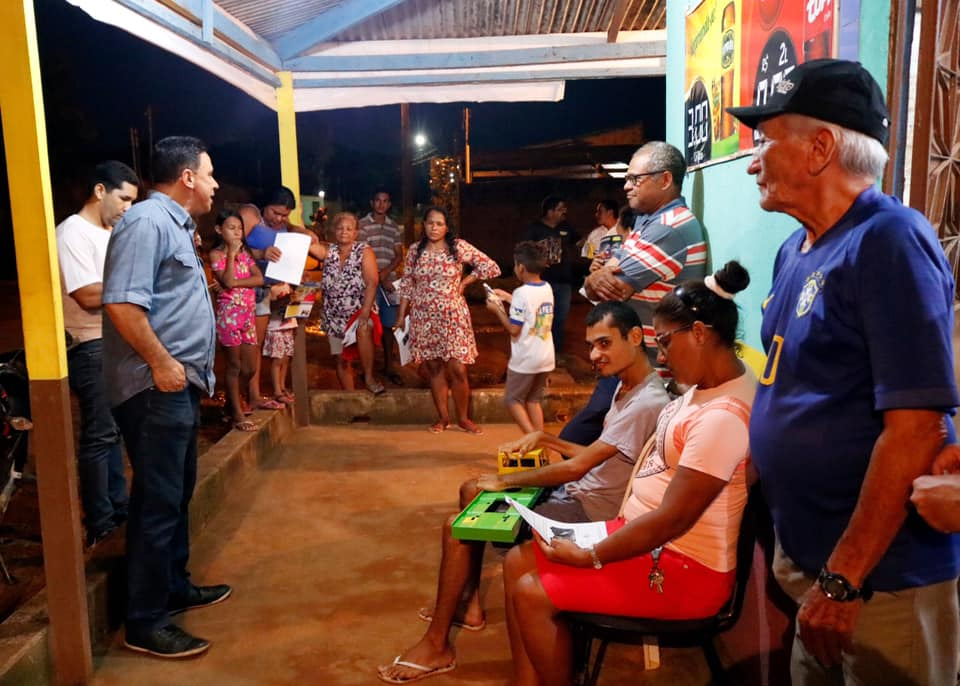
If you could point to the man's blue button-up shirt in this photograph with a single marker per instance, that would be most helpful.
(151, 262)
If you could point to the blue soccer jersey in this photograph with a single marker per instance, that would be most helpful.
(859, 324)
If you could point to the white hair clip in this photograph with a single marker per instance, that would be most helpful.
(711, 283)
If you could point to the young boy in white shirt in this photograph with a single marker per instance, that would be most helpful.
(531, 343)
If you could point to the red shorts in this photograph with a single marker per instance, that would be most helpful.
(690, 590)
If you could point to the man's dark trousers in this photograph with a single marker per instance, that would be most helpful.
(160, 430)
(103, 485)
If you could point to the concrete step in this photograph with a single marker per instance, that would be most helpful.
(24, 646)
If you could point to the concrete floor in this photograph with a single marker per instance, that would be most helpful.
(331, 547)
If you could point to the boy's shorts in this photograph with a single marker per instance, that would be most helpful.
(524, 388)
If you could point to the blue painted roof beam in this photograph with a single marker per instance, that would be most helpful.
(489, 58)
(655, 68)
(202, 11)
(328, 24)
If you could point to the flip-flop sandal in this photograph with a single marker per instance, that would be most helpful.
(425, 615)
(425, 671)
(376, 388)
(270, 404)
(438, 427)
(471, 428)
(245, 425)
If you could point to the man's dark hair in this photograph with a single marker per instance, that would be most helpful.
(627, 217)
(622, 316)
(611, 205)
(282, 196)
(173, 154)
(530, 256)
(548, 203)
(665, 157)
(112, 175)
(381, 189)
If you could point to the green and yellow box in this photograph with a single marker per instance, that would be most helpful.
(516, 462)
(489, 518)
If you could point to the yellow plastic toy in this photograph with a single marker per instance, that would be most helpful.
(516, 462)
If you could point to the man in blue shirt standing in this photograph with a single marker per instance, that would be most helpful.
(158, 340)
(853, 402)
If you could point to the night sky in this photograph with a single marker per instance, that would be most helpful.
(99, 82)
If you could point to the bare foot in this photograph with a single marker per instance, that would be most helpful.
(422, 654)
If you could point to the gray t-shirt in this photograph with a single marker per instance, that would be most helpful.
(629, 422)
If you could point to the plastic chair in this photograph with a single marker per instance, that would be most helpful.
(605, 629)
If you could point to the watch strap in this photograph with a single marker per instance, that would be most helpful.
(597, 564)
(837, 587)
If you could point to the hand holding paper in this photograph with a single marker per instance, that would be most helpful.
(293, 257)
(585, 534)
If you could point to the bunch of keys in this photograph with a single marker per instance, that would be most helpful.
(656, 574)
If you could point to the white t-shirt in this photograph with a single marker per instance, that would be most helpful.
(82, 249)
(593, 242)
(532, 308)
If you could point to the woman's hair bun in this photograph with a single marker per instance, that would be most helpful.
(732, 277)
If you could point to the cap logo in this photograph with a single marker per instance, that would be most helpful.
(784, 87)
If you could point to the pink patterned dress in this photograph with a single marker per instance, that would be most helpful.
(236, 307)
(440, 324)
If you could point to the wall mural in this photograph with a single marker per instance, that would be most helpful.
(737, 51)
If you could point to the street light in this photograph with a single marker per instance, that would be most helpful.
(420, 140)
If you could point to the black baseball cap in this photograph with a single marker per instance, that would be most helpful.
(837, 91)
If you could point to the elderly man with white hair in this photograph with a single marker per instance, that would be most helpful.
(853, 403)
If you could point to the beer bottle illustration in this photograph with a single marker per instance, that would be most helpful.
(728, 50)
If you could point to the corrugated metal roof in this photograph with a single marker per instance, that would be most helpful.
(426, 19)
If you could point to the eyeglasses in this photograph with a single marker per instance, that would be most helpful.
(663, 339)
(632, 179)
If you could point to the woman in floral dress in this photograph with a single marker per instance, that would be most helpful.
(441, 332)
(349, 288)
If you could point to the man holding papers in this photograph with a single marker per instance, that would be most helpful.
(589, 485)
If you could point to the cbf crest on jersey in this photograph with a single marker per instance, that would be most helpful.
(808, 294)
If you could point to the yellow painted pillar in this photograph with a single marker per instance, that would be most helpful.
(289, 160)
(25, 142)
(290, 177)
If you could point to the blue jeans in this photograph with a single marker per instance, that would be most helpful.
(103, 486)
(587, 425)
(562, 293)
(160, 430)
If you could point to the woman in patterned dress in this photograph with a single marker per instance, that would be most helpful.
(349, 288)
(441, 332)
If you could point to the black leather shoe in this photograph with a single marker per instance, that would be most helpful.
(200, 596)
(170, 642)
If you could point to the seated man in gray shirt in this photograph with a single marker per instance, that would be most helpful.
(588, 486)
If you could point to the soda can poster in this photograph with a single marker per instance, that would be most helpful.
(739, 50)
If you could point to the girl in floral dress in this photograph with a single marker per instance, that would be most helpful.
(235, 270)
(441, 332)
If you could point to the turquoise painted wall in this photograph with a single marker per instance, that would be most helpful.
(723, 195)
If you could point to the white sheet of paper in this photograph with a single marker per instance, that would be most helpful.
(403, 341)
(293, 248)
(350, 335)
(584, 534)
